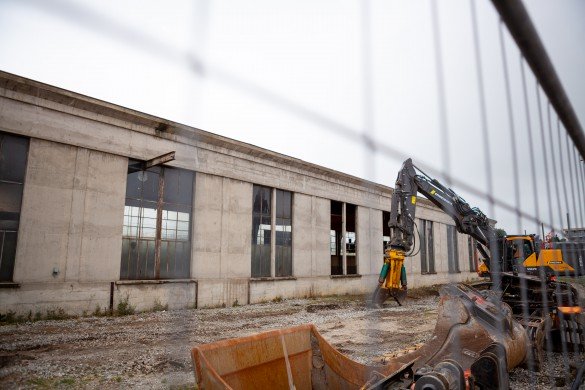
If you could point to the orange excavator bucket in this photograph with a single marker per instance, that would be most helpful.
(472, 336)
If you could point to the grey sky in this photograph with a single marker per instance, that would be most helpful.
(284, 74)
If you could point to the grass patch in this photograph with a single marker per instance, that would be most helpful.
(67, 381)
(124, 307)
(159, 306)
(57, 314)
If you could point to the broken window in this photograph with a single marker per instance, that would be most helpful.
(261, 231)
(385, 230)
(427, 251)
(351, 244)
(283, 258)
(263, 217)
(452, 250)
(156, 237)
(343, 238)
(472, 254)
(336, 234)
(13, 156)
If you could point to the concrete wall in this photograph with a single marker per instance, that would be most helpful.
(221, 258)
(311, 224)
(74, 195)
(70, 228)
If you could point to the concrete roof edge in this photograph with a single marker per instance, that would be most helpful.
(58, 95)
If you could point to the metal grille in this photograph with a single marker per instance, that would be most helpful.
(527, 146)
(156, 238)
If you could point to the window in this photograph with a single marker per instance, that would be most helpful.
(351, 244)
(343, 238)
(156, 237)
(385, 230)
(336, 235)
(270, 224)
(13, 155)
(427, 251)
(452, 249)
(471, 245)
(261, 231)
(283, 258)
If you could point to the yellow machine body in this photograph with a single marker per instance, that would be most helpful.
(395, 258)
(524, 254)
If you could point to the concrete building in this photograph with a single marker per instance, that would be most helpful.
(85, 223)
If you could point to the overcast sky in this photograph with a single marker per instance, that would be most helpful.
(309, 78)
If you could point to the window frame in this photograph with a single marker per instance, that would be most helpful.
(472, 255)
(161, 236)
(13, 178)
(275, 260)
(427, 248)
(452, 250)
(340, 238)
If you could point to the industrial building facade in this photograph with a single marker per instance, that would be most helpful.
(88, 218)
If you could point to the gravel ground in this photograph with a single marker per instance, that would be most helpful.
(151, 350)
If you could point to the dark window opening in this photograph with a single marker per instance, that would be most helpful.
(283, 258)
(338, 246)
(13, 157)
(427, 251)
(452, 250)
(264, 231)
(385, 230)
(351, 244)
(261, 231)
(472, 254)
(156, 239)
(335, 238)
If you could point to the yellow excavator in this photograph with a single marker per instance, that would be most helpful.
(523, 253)
(538, 301)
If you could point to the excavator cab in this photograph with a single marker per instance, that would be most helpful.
(522, 254)
(517, 251)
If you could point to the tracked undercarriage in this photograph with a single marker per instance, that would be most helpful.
(549, 310)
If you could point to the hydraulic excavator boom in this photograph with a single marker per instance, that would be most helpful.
(469, 220)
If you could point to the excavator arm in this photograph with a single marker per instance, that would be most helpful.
(468, 220)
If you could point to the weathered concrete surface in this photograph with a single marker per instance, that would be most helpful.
(72, 213)
(41, 297)
(145, 296)
(73, 203)
(222, 239)
(268, 290)
(311, 225)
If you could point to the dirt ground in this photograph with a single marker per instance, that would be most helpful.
(151, 350)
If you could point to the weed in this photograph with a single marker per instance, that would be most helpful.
(235, 304)
(9, 317)
(98, 311)
(38, 316)
(56, 314)
(42, 383)
(67, 381)
(124, 307)
(159, 306)
(277, 299)
(118, 379)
